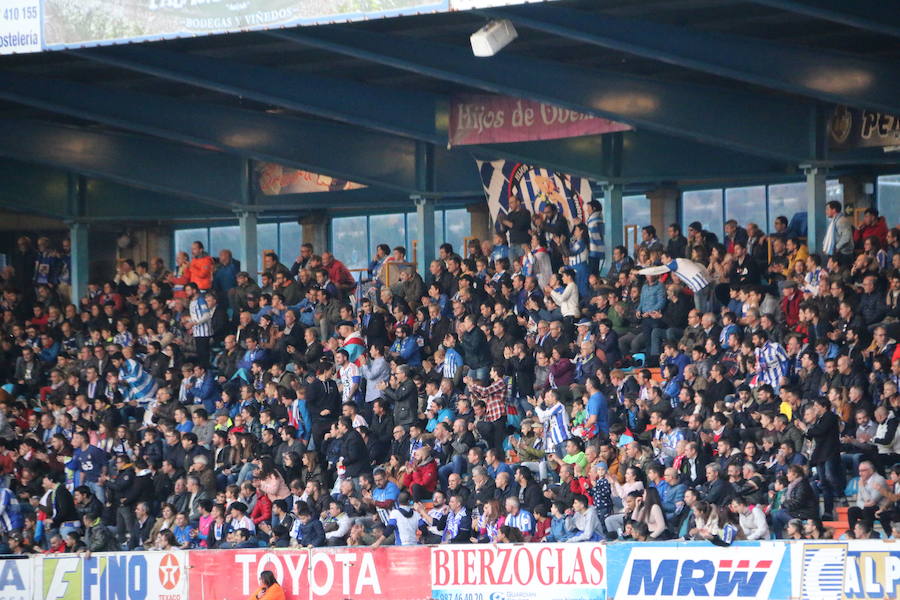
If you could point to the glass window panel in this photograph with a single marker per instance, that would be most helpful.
(746, 205)
(185, 237)
(786, 199)
(290, 240)
(439, 231)
(266, 239)
(889, 199)
(834, 190)
(226, 238)
(635, 212)
(386, 229)
(458, 226)
(704, 206)
(412, 233)
(348, 241)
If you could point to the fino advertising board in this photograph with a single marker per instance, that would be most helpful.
(113, 576)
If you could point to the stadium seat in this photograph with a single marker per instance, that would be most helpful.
(838, 528)
(841, 513)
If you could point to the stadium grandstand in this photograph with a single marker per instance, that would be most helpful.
(330, 288)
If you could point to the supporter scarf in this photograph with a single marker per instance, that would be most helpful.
(453, 521)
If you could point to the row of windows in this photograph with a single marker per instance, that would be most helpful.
(284, 238)
(888, 190)
(354, 238)
(759, 204)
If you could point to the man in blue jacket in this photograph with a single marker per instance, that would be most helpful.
(205, 390)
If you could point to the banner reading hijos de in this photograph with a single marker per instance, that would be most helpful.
(535, 187)
(488, 119)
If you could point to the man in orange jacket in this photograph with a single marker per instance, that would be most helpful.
(201, 267)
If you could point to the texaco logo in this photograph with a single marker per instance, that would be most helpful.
(169, 571)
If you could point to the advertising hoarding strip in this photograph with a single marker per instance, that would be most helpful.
(820, 570)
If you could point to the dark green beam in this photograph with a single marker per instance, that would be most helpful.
(33, 189)
(754, 123)
(149, 163)
(333, 149)
(879, 16)
(112, 201)
(829, 76)
(407, 113)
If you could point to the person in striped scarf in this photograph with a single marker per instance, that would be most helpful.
(141, 384)
(458, 525)
(595, 225)
(578, 257)
(555, 419)
(771, 360)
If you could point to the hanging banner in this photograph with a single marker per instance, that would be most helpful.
(851, 128)
(20, 26)
(681, 570)
(846, 570)
(535, 187)
(119, 575)
(338, 574)
(486, 119)
(273, 179)
(530, 571)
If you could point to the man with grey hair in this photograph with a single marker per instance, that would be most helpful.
(141, 527)
(484, 488)
(195, 495)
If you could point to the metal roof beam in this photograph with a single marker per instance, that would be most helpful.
(407, 113)
(113, 201)
(737, 119)
(209, 177)
(33, 189)
(810, 72)
(329, 148)
(879, 16)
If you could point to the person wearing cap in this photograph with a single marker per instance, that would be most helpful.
(238, 295)
(239, 518)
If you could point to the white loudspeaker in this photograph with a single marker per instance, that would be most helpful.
(491, 38)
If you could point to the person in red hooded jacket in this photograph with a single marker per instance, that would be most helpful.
(421, 477)
(872, 225)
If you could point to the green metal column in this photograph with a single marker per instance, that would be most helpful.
(424, 206)
(78, 236)
(425, 243)
(815, 208)
(79, 270)
(613, 221)
(247, 223)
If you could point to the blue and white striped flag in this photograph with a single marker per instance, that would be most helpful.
(535, 187)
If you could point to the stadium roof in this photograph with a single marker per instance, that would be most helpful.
(717, 91)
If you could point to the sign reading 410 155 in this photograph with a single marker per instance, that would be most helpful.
(20, 26)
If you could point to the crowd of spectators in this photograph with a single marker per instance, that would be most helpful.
(528, 389)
